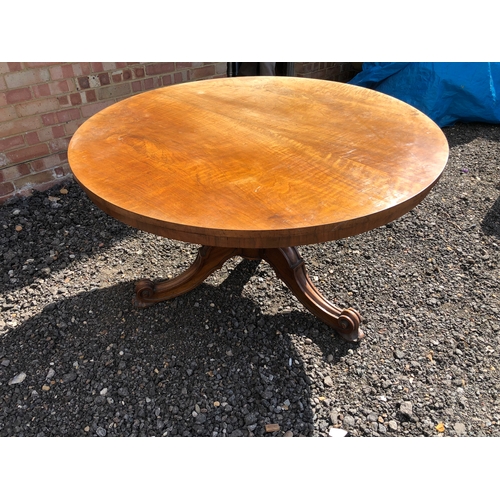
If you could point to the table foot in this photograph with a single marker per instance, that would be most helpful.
(208, 260)
(288, 266)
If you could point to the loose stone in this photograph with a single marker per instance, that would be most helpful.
(17, 379)
(406, 409)
(348, 421)
(393, 425)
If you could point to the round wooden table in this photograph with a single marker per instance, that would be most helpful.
(254, 166)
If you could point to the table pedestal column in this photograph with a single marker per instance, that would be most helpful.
(289, 267)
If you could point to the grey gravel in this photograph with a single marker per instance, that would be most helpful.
(240, 351)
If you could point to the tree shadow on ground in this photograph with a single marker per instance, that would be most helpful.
(39, 236)
(463, 133)
(96, 365)
(491, 222)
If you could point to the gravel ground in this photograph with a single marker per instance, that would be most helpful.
(239, 352)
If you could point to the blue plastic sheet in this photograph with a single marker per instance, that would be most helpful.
(446, 92)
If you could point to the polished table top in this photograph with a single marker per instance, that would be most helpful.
(258, 162)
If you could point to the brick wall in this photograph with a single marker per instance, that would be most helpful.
(42, 104)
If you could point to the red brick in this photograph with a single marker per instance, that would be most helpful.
(18, 95)
(14, 66)
(83, 82)
(11, 142)
(14, 172)
(62, 171)
(121, 65)
(46, 163)
(103, 78)
(6, 188)
(27, 154)
(32, 138)
(136, 86)
(38, 166)
(204, 72)
(167, 80)
(41, 90)
(180, 77)
(96, 67)
(149, 84)
(76, 99)
(159, 68)
(182, 65)
(56, 73)
(37, 107)
(139, 72)
(92, 109)
(58, 131)
(64, 86)
(90, 95)
(49, 119)
(53, 88)
(3, 99)
(23, 169)
(67, 71)
(8, 114)
(127, 74)
(39, 64)
(68, 115)
(20, 126)
(117, 77)
(81, 69)
(63, 100)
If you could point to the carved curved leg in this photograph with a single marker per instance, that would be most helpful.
(207, 261)
(290, 268)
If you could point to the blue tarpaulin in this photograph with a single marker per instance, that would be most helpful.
(446, 92)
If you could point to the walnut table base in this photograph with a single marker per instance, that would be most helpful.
(286, 262)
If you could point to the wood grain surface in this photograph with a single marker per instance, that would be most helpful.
(258, 162)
